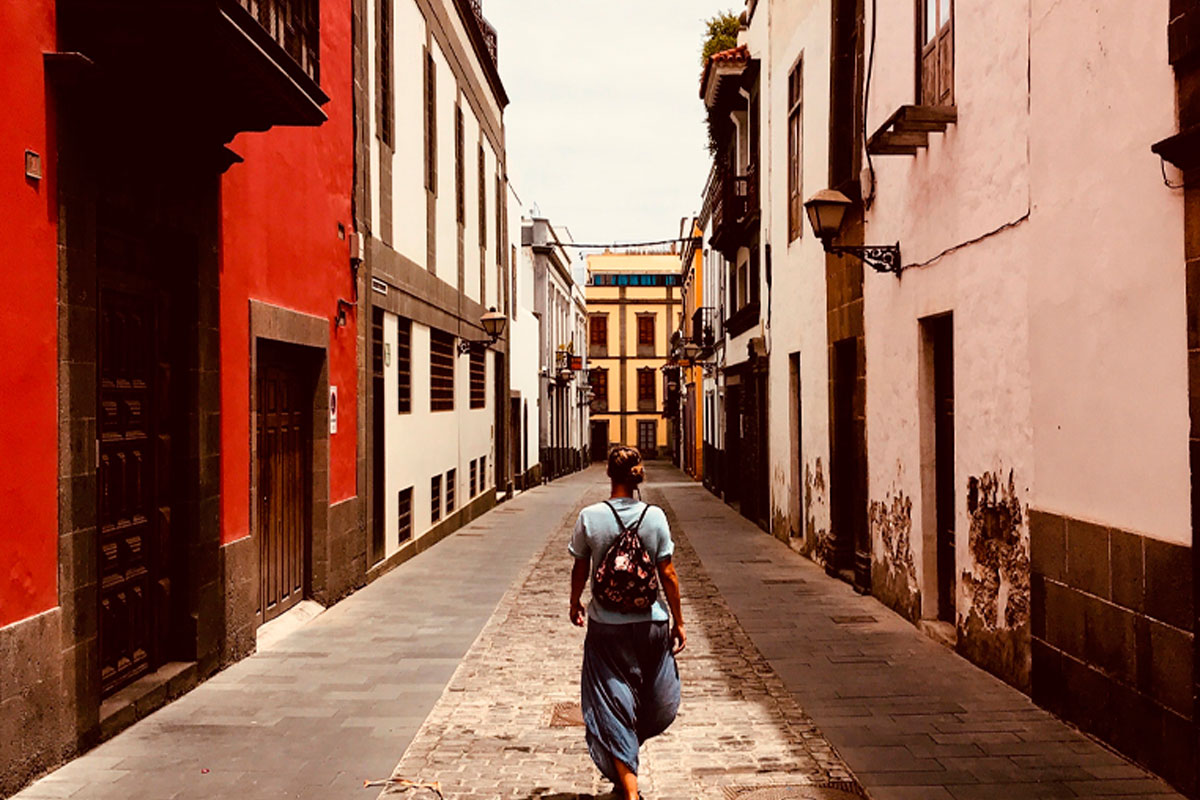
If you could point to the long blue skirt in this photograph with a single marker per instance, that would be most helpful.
(629, 690)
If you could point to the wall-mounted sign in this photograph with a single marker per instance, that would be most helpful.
(387, 354)
(333, 410)
(576, 363)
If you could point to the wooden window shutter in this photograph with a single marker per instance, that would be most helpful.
(431, 171)
(935, 52)
(384, 103)
(460, 167)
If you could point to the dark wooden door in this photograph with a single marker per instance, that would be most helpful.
(846, 490)
(133, 484)
(600, 440)
(942, 334)
(284, 496)
(734, 474)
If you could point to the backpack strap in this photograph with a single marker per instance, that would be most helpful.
(617, 516)
(621, 524)
(637, 525)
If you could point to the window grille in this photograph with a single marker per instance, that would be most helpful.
(451, 475)
(404, 366)
(478, 378)
(405, 514)
(441, 371)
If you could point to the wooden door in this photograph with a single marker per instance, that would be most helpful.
(942, 334)
(647, 438)
(844, 455)
(133, 485)
(600, 440)
(284, 480)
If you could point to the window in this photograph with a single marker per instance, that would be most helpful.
(384, 86)
(474, 478)
(405, 514)
(404, 366)
(460, 168)
(483, 220)
(646, 394)
(935, 52)
(441, 371)
(795, 151)
(430, 122)
(598, 378)
(598, 335)
(435, 497)
(451, 475)
(483, 481)
(478, 378)
(645, 334)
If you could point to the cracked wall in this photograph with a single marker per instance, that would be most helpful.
(993, 615)
(818, 544)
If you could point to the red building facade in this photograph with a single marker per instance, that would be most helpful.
(178, 317)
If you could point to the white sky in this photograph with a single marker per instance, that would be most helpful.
(605, 131)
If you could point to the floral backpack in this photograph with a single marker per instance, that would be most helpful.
(626, 580)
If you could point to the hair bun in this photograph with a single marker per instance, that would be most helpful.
(625, 466)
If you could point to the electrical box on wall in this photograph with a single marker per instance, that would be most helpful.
(333, 410)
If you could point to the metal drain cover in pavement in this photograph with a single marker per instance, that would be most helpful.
(825, 792)
(566, 715)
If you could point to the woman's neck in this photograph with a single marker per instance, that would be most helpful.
(621, 490)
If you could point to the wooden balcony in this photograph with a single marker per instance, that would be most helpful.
(908, 129)
(735, 209)
(212, 68)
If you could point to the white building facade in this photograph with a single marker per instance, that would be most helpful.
(438, 258)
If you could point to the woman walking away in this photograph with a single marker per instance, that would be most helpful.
(630, 682)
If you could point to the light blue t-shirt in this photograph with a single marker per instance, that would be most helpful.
(596, 530)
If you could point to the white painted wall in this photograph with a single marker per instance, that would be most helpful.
(1108, 321)
(798, 30)
(1069, 319)
(524, 343)
(423, 443)
(973, 179)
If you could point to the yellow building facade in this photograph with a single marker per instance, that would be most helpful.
(634, 305)
(697, 329)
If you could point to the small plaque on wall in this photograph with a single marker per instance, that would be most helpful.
(333, 410)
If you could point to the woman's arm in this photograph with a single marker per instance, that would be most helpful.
(579, 578)
(670, 584)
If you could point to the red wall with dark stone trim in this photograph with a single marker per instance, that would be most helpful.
(28, 319)
(280, 214)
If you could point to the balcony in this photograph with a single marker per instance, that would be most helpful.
(735, 209)
(486, 31)
(705, 329)
(212, 68)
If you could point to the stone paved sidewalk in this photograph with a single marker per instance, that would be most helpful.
(913, 720)
(334, 703)
(490, 735)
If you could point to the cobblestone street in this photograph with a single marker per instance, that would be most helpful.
(462, 667)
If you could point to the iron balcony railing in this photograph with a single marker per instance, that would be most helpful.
(485, 27)
(295, 25)
(705, 327)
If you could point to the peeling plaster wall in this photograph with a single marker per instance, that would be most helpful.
(797, 295)
(971, 181)
(893, 567)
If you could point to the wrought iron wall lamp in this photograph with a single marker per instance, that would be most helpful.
(493, 323)
(826, 211)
